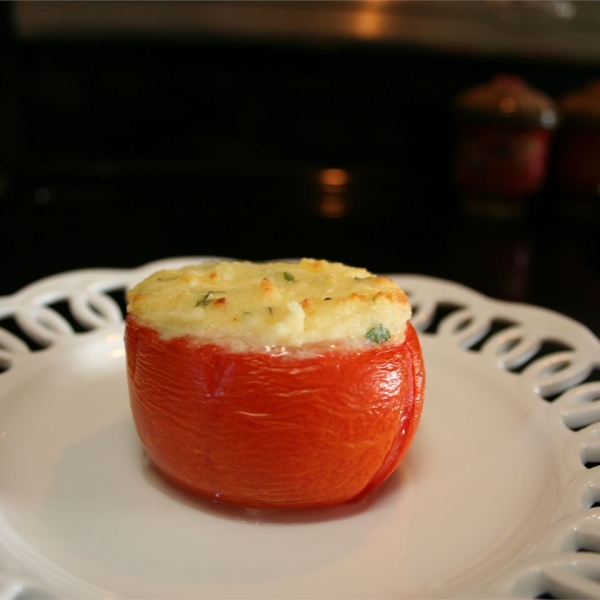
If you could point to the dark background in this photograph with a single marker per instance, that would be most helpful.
(121, 145)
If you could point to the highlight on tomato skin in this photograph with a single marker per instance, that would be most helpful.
(257, 430)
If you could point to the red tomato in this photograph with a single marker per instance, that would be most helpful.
(259, 430)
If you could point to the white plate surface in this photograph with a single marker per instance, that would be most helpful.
(495, 499)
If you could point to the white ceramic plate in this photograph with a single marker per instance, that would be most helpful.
(495, 499)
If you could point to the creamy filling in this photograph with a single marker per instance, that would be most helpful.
(245, 305)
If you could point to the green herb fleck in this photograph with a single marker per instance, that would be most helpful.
(288, 276)
(206, 299)
(166, 278)
(378, 334)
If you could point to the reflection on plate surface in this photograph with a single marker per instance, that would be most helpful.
(493, 500)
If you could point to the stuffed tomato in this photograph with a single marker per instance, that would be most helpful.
(273, 385)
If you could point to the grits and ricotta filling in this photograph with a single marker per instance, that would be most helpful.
(250, 306)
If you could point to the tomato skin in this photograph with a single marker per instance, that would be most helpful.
(268, 431)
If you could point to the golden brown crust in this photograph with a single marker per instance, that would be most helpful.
(257, 305)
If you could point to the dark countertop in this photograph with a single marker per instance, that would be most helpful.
(389, 228)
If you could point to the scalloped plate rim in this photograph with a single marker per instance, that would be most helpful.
(504, 585)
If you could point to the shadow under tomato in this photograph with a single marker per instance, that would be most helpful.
(110, 516)
(271, 517)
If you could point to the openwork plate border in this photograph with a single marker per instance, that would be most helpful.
(556, 357)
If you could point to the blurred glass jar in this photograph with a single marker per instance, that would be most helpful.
(504, 136)
(578, 153)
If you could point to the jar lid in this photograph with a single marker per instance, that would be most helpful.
(508, 99)
(582, 105)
